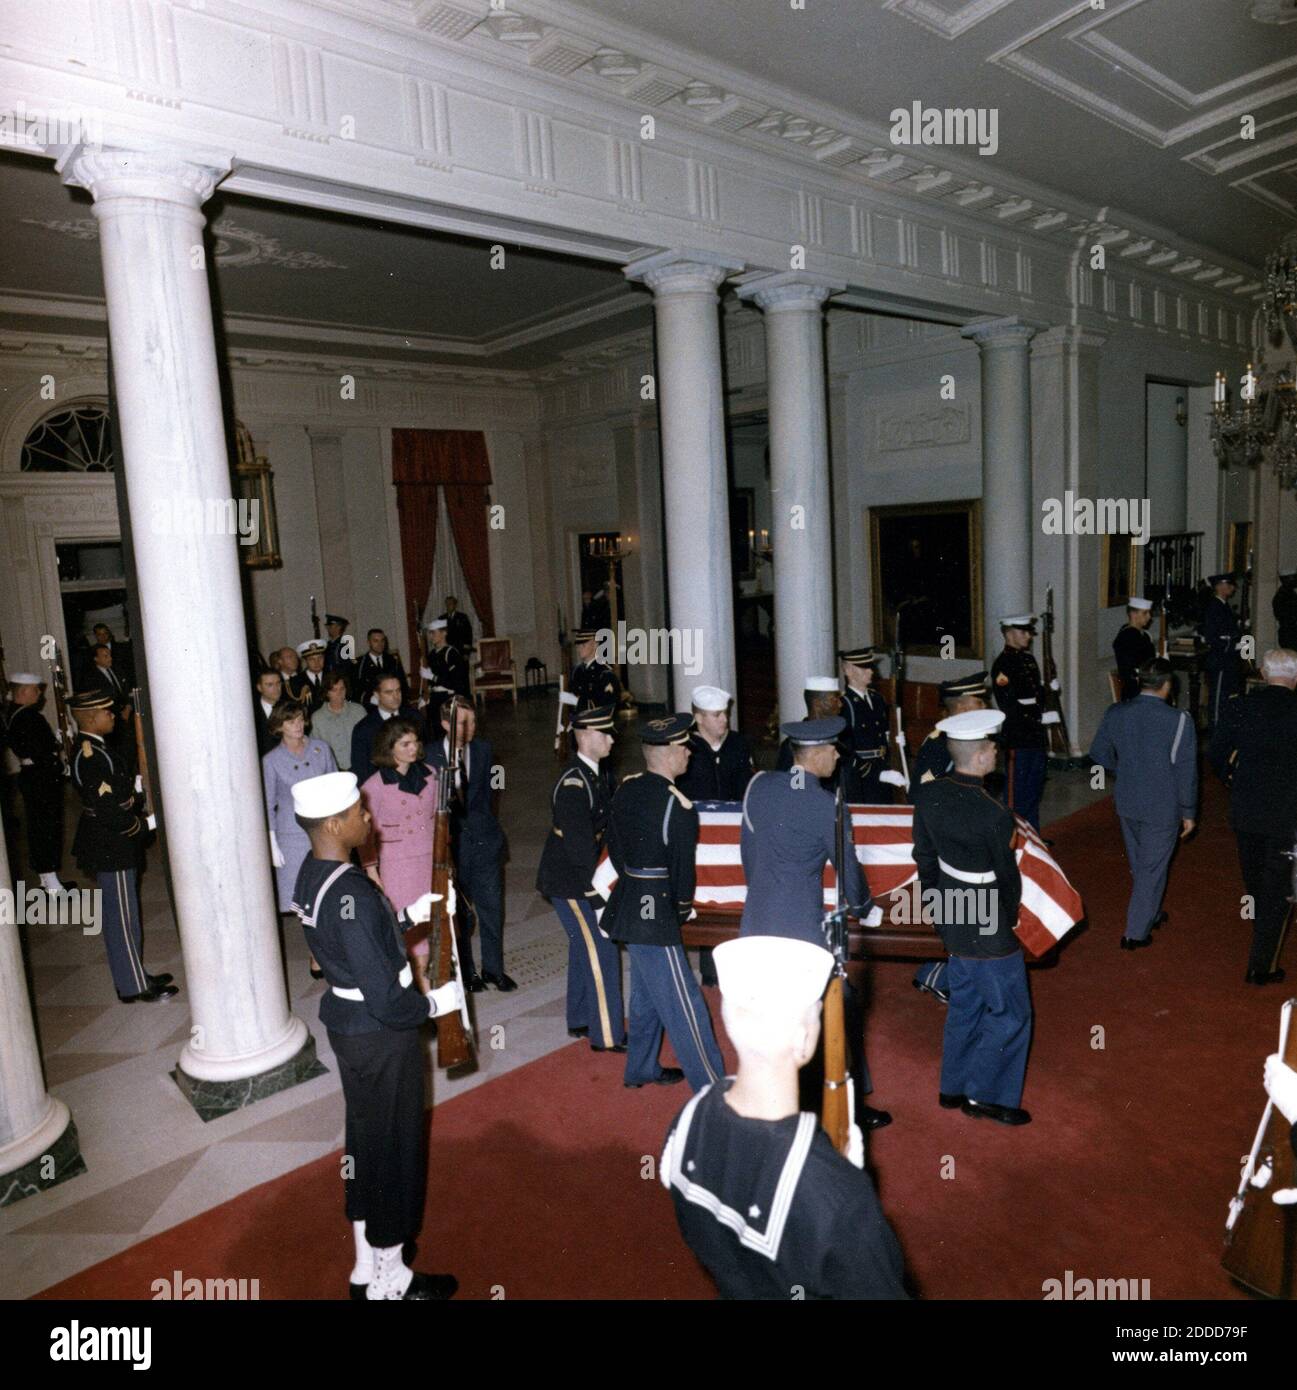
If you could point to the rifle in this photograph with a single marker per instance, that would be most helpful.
(315, 620)
(836, 1113)
(1258, 1232)
(421, 641)
(898, 701)
(1161, 626)
(142, 758)
(1059, 743)
(562, 737)
(59, 685)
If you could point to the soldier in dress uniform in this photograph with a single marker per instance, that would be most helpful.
(1284, 607)
(373, 1012)
(769, 1207)
(338, 653)
(593, 682)
(1220, 630)
(580, 805)
(787, 837)
(109, 844)
(963, 847)
(867, 732)
(823, 700)
(447, 667)
(720, 758)
(376, 663)
(40, 776)
(1132, 647)
(1020, 693)
(652, 842)
(310, 684)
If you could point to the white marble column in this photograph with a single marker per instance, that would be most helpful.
(691, 408)
(1008, 520)
(244, 1042)
(38, 1141)
(801, 511)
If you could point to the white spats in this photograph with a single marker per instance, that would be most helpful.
(362, 1272)
(392, 1275)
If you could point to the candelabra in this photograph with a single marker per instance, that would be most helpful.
(613, 550)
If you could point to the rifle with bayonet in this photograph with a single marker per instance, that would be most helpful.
(315, 620)
(59, 685)
(1052, 717)
(898, 702)
(836, 1115)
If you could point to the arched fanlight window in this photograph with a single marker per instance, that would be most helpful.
(76, 439)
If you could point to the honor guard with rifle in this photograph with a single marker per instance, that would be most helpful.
(373, 1013)
(868, 727)
(109, 844)
(580, 804)
(1020, 693)
(1284, 608)
(652, 842)
(40, 776)
(963, 847)
(762, 1198)
(1220, 630)
(787, 837)
(593, 682)
(447, 669)
(338, 650)
(1133, 647)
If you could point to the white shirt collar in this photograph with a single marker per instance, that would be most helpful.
(590, 763)
(266, 707)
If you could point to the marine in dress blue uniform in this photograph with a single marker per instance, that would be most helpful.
(868, 732)
(1132, 647)
(1020, 694)
(593, 682)
(109, 844)
(963, 847)
(1152, 748)
(1220, 630)
(580, 804)
(652, 842)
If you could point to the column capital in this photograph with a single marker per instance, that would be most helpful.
(682, 271)
(1054, 341)
(164, 174)
(996, 332)
(789, 289)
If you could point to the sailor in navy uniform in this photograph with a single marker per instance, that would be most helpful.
(1020, 693)
(1132, 647)
(373, 1013)
(447, 668)
(963, 847)
(40, 776)
(762, 1198)
(593, 682)
(310, 683)
(720, 758)
(109, 844)
(652, 841)
(786, 839)
(1221, 632)
(376, 663)
(823, 700)
(580, 804)
(867, 733)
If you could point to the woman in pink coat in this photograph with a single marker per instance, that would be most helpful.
(401, 798)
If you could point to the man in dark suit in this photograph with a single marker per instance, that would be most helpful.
(269, 691)
(459, 631)
(477, 841)
(123, 657)
(389, 703)
(1255, 751)
(376, 663)
(1284, 608)
(102, 678)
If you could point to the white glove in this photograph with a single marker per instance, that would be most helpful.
(451, 899)
(855, 1147)
(1281, 1087)
(598, 918)
(874, 917)
(567, 698)
(421, 908)
(446, 1000)
(139, 782)
(276, 854)
(1054, 684)
(151, 822)
(893, 779)
(425, 673)
(1050, 716)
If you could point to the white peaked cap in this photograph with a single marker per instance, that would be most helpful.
(315, 798)
(436, 624)
(314, 645)
(972, 724)
(1018, 620)
(25, 678)
(1143, 604)
(710, 697)
(822, 683)
(771, 973)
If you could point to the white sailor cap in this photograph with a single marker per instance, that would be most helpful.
(1019, 620)
(1143, 604)
(25, 678)
(314, 645)
(316, 798)
(436, 625)
(710, 697)
(972, 724)
(769, 974)
(822, 683)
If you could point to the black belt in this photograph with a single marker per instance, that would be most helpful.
(647, 873)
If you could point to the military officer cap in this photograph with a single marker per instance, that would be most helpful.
(1288, 574)
(92, 699)
(861, 656)
(317, 798)
(710, 697)
(673, 728)
(1024, 620)
(1227, 578)
(26, 678)
(437, 625)
(772, 974)
(806, 733)
(972, 724)
(331, 618)
(581, 635)
(823, 683)
(601, 719)
(315, 645)
(1143, 604)
(964, 685)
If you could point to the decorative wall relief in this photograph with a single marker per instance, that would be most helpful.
(922, 428)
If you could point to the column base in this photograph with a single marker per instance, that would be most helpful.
(212, 1099)
(61, 1160)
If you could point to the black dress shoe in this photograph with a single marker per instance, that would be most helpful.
(949, 1102)
(358, 1293)
(668, 1076)
(502, 982)
(578, 1032)
(150, 995)
(1006, 1114)
(1130, 944)
(157, 981)
(316, 973)
(475, 984)
(1264, 977)
(616, 1047)
(869, 1118)
(434, 1288)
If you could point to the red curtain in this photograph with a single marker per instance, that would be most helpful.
(422, 461)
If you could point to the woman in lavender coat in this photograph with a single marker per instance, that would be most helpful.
(295, 758)
(401, 798)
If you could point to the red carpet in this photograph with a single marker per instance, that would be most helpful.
(538, 1186)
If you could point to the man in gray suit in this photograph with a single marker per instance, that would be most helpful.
(1153, 749)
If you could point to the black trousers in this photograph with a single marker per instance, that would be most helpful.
(382, 1084)
(1268, 877)
(42, 793)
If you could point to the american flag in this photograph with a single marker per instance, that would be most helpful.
(883, 837)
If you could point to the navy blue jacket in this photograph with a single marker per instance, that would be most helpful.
(1153, 749)
(477, 819)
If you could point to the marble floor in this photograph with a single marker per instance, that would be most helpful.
(151, 1162)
